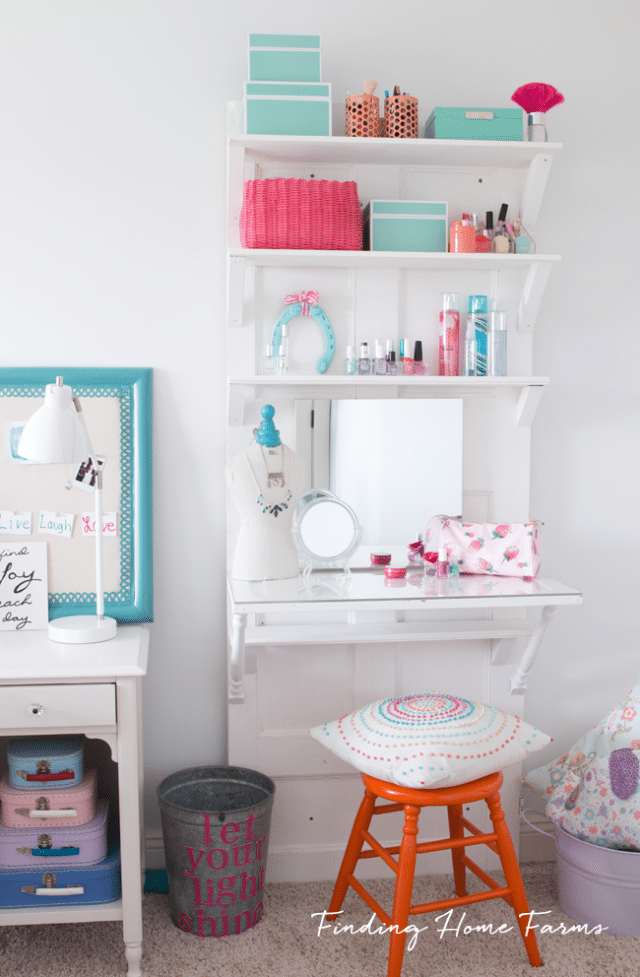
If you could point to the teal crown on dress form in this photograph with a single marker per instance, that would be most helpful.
(266, 433)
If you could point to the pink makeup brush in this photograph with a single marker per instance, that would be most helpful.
(536, 98)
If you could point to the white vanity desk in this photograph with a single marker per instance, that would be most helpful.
(312, 648)
(379, 609)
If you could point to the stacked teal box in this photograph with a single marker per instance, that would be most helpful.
(405, 225)
(475, 123)
(284, 95)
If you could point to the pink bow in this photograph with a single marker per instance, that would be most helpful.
(305, 299)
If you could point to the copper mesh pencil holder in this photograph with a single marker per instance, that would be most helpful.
(401, 117)
(362, 115)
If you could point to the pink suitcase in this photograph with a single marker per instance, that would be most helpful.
(39, 846)
(76, 805)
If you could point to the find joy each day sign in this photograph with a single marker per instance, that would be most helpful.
(24, 602)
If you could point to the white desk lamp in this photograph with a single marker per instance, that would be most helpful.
(57, 434)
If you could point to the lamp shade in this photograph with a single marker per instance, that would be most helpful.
(56, 434)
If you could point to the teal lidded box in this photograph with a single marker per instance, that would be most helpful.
(275, 108)
(284, 57)
(463, 123)
(405, 225)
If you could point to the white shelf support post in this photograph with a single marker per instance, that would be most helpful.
(535, 186)
(237, 658)
(235, 292)
(528, 404)
(532, 293)
(518, 683)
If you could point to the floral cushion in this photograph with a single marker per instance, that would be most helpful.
(429, 740)
(592, 791)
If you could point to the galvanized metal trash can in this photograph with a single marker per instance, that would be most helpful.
(215, 826)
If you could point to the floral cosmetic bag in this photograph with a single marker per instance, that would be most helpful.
(503, 549)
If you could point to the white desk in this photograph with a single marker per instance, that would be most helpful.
(68, 682)
(376, 608)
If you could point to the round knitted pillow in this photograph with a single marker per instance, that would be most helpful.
(431, 739)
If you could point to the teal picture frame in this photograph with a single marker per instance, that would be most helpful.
(132, 601)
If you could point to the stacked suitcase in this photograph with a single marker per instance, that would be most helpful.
(53, 828)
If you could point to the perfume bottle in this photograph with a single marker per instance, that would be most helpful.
(406, 360)
(477, 321)
(497, 344)
(380, 362)
(449, 334)
(364, 363)
(419, 368)
(350, 364)
(269, 364)
(283, 352)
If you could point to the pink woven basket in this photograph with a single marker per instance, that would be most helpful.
(301, 214)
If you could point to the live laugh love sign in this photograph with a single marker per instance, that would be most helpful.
(24, 602)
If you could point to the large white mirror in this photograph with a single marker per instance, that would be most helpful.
(395, 462)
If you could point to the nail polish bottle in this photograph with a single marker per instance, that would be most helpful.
(392, 366)
(380, 362)
(269, 364)
(406, 360)
(477, 321)
(501, 242)
(488, 229)
(497, 344)
(419, 368)
(350, 365)
(442, 564)
(364, 363)
(449, 334)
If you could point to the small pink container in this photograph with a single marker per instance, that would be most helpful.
(395, 573)
(40, 845)
(380, 559)
(76, 805)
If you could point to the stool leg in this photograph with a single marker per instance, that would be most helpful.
(352, 851)
(403, 890)
(511, 870)
(456, 830)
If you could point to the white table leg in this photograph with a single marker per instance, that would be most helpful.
(519, 680)
(130, 836)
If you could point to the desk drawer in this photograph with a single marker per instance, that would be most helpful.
(33, 707)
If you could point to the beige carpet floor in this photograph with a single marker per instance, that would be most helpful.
(286, 943)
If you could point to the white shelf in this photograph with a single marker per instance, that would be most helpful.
(460, 385)
(392, 631)
(426, 260)
(109, 911)
(393, 152)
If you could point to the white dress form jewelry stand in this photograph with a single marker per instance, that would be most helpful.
(265, 549)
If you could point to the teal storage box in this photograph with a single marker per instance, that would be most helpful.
(274, 108)
(405, 225)
(284, 57)
(462, 123)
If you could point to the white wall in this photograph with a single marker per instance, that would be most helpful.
(112, 222)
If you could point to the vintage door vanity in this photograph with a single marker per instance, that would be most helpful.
(309, 649)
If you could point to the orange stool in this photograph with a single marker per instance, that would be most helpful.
(411, 800)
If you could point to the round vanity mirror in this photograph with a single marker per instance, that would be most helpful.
(326, 529)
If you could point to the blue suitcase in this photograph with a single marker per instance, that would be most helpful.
(53, 762)
(84, 885)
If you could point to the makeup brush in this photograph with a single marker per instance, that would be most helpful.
(536, 98)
